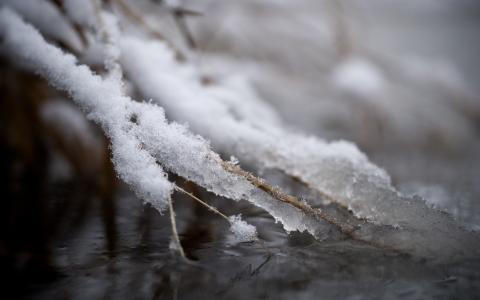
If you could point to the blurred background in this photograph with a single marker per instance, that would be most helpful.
(398, 78)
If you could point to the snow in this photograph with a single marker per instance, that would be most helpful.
(338, 169)
(176, 87)
(241, 230)
(137, 146)
(228, 117)
(81, 11)
(358, 77)
(45, 16)
(102, 100)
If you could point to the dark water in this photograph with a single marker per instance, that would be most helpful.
(279, 266)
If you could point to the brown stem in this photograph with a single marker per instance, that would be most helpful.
(211, 208)
(175, 236)
(276, 193)
(284, 197)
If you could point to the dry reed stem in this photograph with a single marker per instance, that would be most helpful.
(260, 183)
(276, 193)
(211, 208)
(286, 198)
(176, 238)
(179, 18)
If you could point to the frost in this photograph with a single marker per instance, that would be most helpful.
(241, 230)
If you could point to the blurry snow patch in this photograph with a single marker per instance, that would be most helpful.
(69, 121)
(68, 126)
(80, 11)
(93, 55)
(173, 3)
(241, 230)
(358, 77)
(233, 90)
(48, 19)
(59, 168)
(432, 71)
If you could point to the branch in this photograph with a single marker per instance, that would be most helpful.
(211, 208)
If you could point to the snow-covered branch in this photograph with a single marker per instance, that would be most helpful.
(145, 145)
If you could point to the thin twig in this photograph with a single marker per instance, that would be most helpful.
(319, 192)
(284, 197)
(175, 236)
(179, 18)
(211, 208)
(276, 193)
(257, 269)
(341, 34)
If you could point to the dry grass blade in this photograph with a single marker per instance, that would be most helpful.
(176, 238)
(182, 26)
(276, 193)
(211, 208)
(286, 198)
